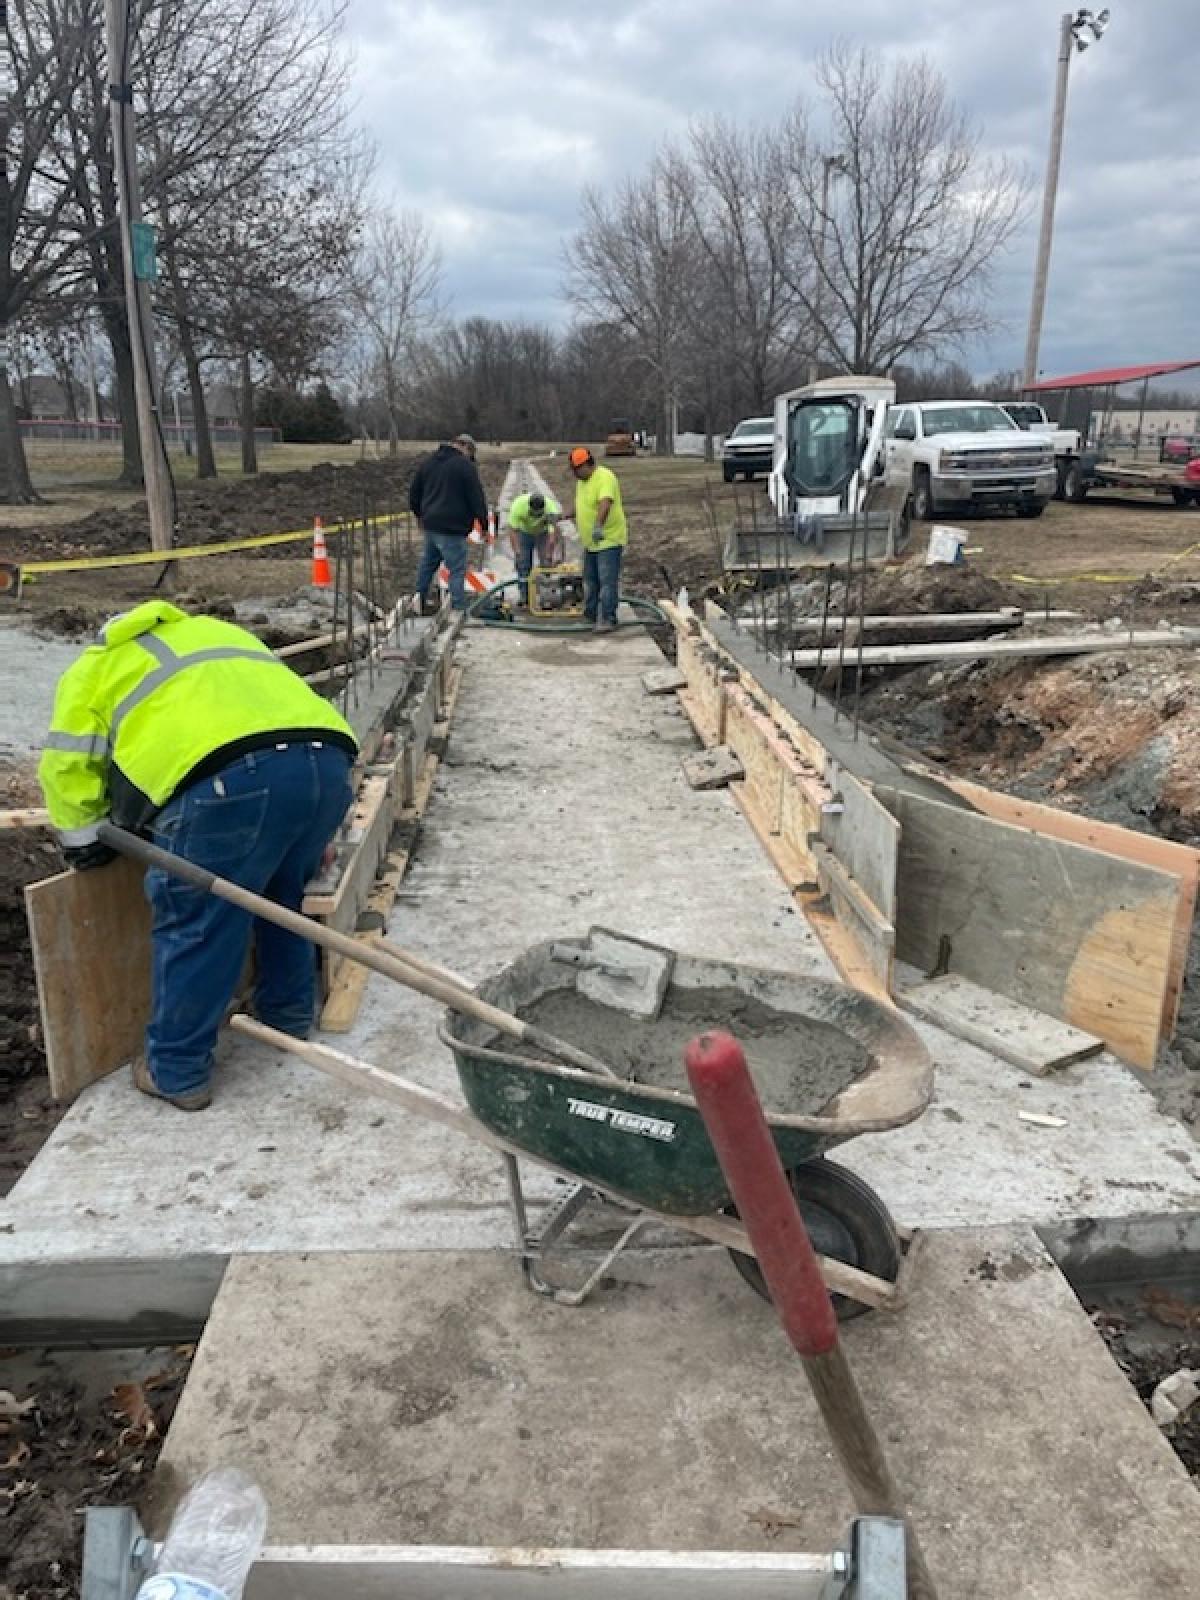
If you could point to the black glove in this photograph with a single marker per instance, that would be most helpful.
(85, 856)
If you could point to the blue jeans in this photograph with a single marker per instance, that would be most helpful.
(263, 822)
(452, 549)
(529, 545)
(602, 582)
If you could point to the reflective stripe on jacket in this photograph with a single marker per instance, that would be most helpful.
(157, 694)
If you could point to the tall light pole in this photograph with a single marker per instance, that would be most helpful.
(1077, 31)
(829, 165)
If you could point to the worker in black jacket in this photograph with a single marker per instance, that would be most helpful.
(447, 499)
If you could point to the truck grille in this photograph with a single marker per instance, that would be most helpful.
(996, 460)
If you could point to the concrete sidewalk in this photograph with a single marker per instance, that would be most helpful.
(560, 804)
(430, 1399)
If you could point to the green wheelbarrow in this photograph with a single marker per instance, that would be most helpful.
(829, 1062)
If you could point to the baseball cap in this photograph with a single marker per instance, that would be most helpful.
(467, 443)
(580, 456)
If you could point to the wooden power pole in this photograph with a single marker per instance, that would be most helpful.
(139, 271)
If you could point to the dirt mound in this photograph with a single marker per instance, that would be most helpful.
(273, 502)
(916, 588)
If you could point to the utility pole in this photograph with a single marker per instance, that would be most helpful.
(829, 164)
(160, 496)
(1072, 35)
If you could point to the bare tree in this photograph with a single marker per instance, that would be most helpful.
(635, 262)
(900, 217)
(395, 285)
(37, 79)
(752, 321)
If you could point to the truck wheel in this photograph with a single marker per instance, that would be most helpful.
(923, 508)
(1075, 487)
(728, 474)
(1031, 508)
(1183, 497)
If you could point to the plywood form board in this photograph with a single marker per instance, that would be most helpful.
(91, 955)
(1148, 849)
(865, 838)
(703, 686)
(1066, 930)
(1029, 1039)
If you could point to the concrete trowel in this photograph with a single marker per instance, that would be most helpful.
(617, 970)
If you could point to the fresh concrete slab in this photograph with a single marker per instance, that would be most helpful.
(560, 804)
(430, 1399)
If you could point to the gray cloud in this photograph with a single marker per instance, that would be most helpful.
(491, 115)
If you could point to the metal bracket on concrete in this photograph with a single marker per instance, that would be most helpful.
(872, 1564)
(117, 1555)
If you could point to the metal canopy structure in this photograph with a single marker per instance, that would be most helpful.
(1105, 377)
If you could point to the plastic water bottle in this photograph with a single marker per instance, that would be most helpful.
(214, 1539)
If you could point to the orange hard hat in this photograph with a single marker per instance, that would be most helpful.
(580, 456)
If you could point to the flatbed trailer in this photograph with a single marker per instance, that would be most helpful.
(1159, 478)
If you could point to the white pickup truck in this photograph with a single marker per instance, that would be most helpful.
(1031, 418)
(963, 454)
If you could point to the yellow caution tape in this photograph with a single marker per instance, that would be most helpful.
(1103, 577)
(158, 558)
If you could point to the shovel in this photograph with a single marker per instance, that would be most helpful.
(395, 963)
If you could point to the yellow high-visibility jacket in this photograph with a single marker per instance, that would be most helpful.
(154, 700)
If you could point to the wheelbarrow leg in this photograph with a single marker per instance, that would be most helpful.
(535, 1246)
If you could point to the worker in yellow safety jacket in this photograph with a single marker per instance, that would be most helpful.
(192, 731)
(600, 522)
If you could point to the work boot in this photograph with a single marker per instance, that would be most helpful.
(193, 1100)
(603, 626)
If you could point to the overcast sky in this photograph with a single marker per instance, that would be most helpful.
(490, 115)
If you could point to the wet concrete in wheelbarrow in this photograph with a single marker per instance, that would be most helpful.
(799, 1064)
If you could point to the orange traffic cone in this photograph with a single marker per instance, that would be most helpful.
(321, 575)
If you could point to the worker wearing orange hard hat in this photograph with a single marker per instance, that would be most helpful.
(600, 523)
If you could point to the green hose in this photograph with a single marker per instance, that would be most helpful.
(638, 602)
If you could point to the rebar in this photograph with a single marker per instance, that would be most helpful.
(849, 580)
(824, 630)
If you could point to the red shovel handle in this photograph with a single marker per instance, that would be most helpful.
(733, 1115)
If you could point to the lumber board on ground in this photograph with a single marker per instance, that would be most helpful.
(663, 680)
(865, 838)
(931, 622)
(1148, 849)
(1028, 1039)
(24, 817)
(1067, 930)
(90, 933)
(913, 655)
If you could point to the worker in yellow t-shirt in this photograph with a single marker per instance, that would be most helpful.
(600, 523)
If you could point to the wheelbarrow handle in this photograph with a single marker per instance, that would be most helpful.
(392, 962)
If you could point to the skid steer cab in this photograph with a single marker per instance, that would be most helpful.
(829, 446)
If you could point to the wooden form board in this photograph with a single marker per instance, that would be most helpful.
(1147, 849)
(1029, 1039)
(91, 955)
(1079, 935)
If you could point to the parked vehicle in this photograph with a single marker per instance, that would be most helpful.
(749, 449)
(967, 454)
(621, 441)
(1031, 418)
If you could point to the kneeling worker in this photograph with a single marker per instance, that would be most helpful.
(191, 731)
(532, 530)
(600, 522)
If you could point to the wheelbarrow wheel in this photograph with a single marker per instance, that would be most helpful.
(846, 1220)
